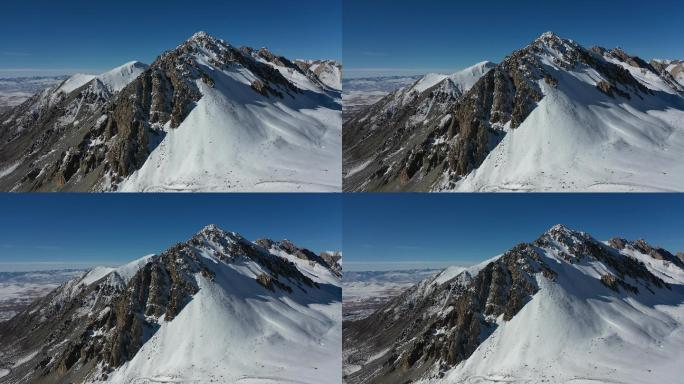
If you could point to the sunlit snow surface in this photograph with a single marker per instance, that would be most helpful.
(573, 332)
(235, 331)
(579, 139)
(235, 139)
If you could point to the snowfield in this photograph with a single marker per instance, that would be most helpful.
(14, 91)
(366, 291)
(575, 331)
(216, 308)
(236, 139)
(578, 139)
(231, 334)
(217, 118)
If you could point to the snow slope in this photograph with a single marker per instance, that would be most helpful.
(117, 78)
(114, 79)
(329, 74)
(579, 139)
(125, 272)
(235, 331)
(75, 81)
(576, 330)
(463, 79)
(236, 139)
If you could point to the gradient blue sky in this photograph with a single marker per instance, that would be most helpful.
(402, 231)
(65, 230)
(67, 36)
(399, 37)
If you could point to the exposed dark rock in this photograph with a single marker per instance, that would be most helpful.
(98, 327)
(432, 327)
(91, 138)
(434, 151)
(266, 281)
(326, 260)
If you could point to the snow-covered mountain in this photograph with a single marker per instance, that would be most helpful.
(328, 72)
(205, 116)
(216, 308)
(564, 308)
(552, 116)
(377, 139)
(674, 67)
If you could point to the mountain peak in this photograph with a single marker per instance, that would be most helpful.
(564, 235)
(211, 228)
(548, 35)
(200, 35)
(215, 230)
(559, 228)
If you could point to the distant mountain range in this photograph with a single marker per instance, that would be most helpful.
(204, 116)
(19, 289)
(563, 308)
(365, 291)
(552, 116)
(215, 308)
(361, 92)
(14, 91)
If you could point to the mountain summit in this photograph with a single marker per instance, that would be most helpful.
(587, 308)
(205, 309)
(552, 115)
(203, 116)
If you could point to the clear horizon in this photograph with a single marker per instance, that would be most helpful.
(41, 231)
(92, 37)
(421, 230)
(387, 38)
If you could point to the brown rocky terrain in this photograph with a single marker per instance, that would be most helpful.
(436, 324)
(91, 138)
(394, 146)
(90, 326)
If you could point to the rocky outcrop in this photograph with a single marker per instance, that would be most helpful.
(401, 133)
(333, 259)
(643, 247)
(88, 329)
(326, 260)
(402, 149)
(93, 137)
(435, 325)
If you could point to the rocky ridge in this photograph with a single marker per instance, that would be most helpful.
(440, 322)
(94, 324)
(93, 136)
(454, 141)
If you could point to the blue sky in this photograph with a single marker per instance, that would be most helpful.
(55, 37)
(399, 37)
(401, 231)
(63, 230)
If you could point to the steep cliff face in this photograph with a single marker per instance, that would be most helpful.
(448, 322)
(96, 132)
(56, 134)
(103, 326)
(387, 144)
(488, 138)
